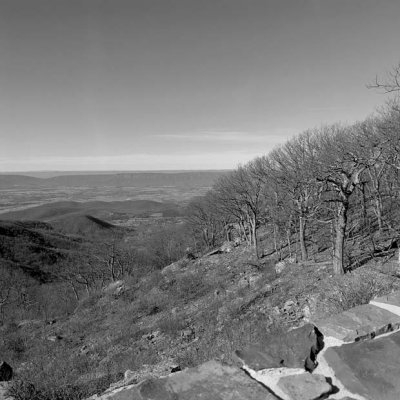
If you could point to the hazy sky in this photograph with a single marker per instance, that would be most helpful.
(182, 84)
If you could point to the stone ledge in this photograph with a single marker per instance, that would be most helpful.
(359, 323)
(360, 369)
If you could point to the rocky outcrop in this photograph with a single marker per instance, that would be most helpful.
(351, 356)
(297, 348)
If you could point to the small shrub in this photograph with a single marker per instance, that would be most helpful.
(16, 345)
(189, 287)
(89, 302)
(172, 325)
(355, 289)
(151, 302)
(21, 390)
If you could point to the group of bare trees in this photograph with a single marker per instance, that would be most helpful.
(336, 175)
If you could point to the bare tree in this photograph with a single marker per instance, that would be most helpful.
(343, 157)
(204, 220)
(389, 84)
(239, 195)
(291, 167)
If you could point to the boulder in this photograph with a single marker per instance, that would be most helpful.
(297, 348)
(305, 386)
(209, 381)
(370, 369)
(6, 372)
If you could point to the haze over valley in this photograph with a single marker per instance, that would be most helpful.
(20, 192)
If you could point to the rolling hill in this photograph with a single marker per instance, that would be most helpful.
(34, 248)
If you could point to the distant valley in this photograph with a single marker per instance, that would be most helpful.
(20, 192)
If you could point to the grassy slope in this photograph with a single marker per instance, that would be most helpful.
(190, 312)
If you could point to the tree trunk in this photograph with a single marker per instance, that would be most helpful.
(254, 234)
(363, 202)
(338, 254)
(302, 238)
(275, 240)
(246, 236)
(289, 242)
(378, 211)
(74, 290)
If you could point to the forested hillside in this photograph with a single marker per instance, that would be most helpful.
(338, 184)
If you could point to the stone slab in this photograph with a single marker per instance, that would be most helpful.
(359, 323)
(305, 386)
(210, 380)
(294, 349)
(369, 368)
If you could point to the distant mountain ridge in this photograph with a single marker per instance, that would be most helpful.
(128, 179)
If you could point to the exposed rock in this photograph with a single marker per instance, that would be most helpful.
(188, 334)
(29, 322)
(294, 349)
(227, 247)
(280, 266)
(369, 368)
(153, 336)
(358, 323)
(209, 381)
(306, 313)
(115, 288)
(347, 398)
(6, 372)
(288, 305)
(304, 386)
(54, 338)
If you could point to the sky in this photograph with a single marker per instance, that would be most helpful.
(182, 84)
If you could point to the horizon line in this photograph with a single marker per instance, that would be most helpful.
(114, 171)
